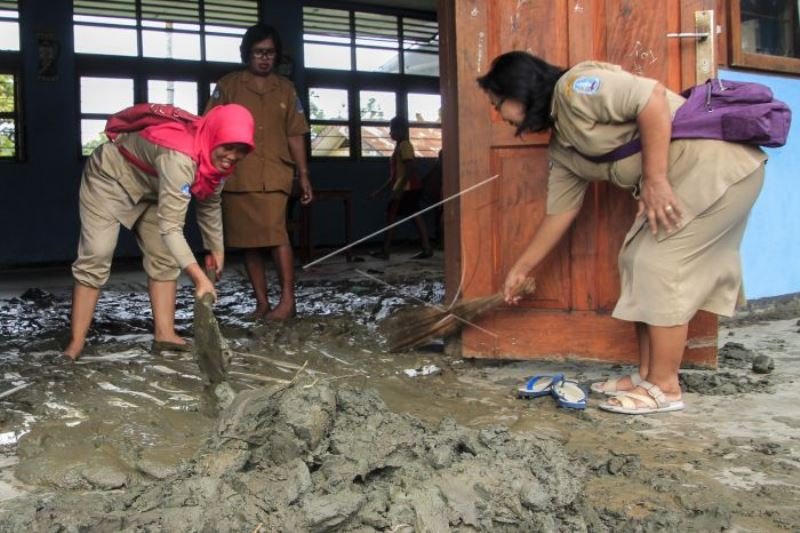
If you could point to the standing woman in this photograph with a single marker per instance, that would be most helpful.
(144, 181)
(255, 198)
(694, 196)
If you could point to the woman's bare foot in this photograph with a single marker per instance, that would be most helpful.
(259, 312)
(74, 349)
(284, 311)
(621, 384)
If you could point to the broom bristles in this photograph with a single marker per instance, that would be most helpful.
(416, 326)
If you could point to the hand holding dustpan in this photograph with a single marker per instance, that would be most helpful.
(413, 327)
(211, 350)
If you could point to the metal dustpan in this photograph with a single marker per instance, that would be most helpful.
(211, 350)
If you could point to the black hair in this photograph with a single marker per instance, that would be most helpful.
(400, 125)
(258, 33)
(528, 79)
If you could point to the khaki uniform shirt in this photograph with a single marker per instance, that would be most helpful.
(278, 115)
(170, 190)
(594, 108)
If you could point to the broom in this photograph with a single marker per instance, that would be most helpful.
(415, 326)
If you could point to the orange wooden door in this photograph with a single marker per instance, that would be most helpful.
(569, 316)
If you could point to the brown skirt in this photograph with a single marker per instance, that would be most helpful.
(254, 219)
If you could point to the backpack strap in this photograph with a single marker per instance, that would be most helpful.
(135, 161)
(621, 152)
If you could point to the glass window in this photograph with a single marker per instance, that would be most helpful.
(100, 98)
(770, 28)
(376, 142)
(424, 108)
(427, 141)
(167, 29)
(328, 104)
(420, 47)
(393, 47)
(9, 26)
(180, 93)
(377, 43)
(8, 117)
(105, 35)
(766, 35)
(327, 38)
(331, 140)
(329, 118)
(171, 44)
(377, 105)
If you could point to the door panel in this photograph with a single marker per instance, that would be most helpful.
(578, 285)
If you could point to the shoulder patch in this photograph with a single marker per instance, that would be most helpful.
(586, 85)
(186, 190)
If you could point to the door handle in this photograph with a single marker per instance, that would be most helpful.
(705, 49)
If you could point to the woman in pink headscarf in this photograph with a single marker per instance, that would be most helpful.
(144, 180)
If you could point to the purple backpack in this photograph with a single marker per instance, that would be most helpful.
(734, 111)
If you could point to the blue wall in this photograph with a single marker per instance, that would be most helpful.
(771, 247)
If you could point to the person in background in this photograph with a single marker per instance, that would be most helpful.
(406, 190)
(144, 181)
(694, 196)
(254, 200)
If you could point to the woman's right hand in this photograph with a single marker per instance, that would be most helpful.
(514, 279)
(204, 286)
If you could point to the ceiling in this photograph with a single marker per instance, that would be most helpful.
(419, 5)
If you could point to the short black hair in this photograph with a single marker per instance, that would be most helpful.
(258, 33)
(400, 125)
(528, 79)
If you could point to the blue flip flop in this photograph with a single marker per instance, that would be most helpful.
(538, 386)
(570, 394)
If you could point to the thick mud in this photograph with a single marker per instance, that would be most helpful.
(328, 431)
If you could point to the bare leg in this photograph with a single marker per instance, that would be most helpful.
(84, 302)
(391, 217)
(624, 383)
(666, 351)
(667, 345)
(423, 233)
(254, 264)
(162, 301)
(283, 257)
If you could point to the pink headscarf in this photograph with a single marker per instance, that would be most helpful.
(225, 124)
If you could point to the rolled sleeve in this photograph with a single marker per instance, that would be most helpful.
(175, 177)
(565, 189)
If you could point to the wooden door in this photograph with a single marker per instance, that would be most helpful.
(569, 316)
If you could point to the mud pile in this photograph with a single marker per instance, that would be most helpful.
(308, 457)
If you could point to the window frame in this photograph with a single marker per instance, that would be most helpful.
(142, 69)
(7, 68)
(750, 60)
(355, 81)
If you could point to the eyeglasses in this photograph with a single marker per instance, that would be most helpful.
(264, 53)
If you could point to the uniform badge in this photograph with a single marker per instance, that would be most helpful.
(586, 85)
(186, 190)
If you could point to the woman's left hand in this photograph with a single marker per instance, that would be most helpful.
(658, 203)
(307, 193)
(218, 257)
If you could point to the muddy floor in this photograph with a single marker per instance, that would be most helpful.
(330, 432)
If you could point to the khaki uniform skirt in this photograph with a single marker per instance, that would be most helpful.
(254, 219)
(698, 268)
